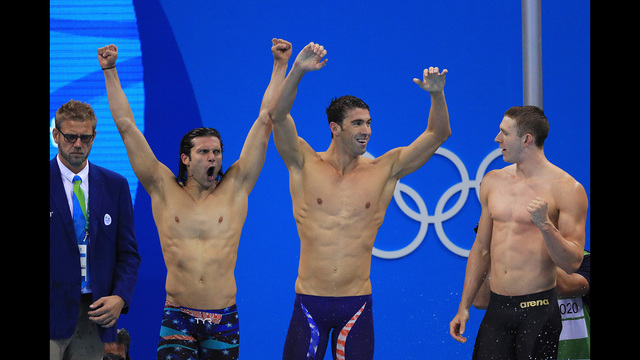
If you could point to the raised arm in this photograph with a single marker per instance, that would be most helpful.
(144, 163)
(254, 150)
(285, 135)
(412, 157)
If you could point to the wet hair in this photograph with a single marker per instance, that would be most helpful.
(530, 119)
(76, 111)
(339, 106)
(186, 145)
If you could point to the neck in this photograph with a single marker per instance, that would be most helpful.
(197, 191)
(341, 159)
(532, 163)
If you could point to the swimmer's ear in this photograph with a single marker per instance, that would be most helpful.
(335, 128)
(185, 158)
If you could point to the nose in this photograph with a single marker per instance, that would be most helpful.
(498, 138)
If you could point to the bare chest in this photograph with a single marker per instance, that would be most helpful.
(509, 199)
(212, 218)
(355, 194)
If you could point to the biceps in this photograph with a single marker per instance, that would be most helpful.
(571, 227)
(288, 143)
(412, 157)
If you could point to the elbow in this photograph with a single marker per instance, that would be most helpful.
(274, 115)
(446, 134)
(443, 135)
(573, 266)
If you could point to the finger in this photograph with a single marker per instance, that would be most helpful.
(417, 81)
(98, 312)
(322, 64)
(98, 303)
(109, 324)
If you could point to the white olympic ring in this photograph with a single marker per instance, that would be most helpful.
(423, 217)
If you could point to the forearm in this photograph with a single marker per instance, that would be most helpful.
(478, 265)
(566, 254)
(281, 106)
(438, 122)
(118, 103)
(275, 83)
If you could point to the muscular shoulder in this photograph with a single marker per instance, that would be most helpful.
(498, 176)
(565, 188)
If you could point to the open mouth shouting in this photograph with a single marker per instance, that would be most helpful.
(211, 173)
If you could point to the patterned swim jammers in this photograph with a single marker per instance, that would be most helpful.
(198, 334)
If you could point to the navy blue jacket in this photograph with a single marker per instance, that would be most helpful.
(113, 251)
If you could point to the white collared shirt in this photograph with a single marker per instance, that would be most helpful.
(67, 180)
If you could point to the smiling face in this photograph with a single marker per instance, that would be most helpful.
(355, 131)
(204, 161)
(508, 140)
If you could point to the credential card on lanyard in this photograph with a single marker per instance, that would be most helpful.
(83, 261)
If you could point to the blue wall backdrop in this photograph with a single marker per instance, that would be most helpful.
(185, 64)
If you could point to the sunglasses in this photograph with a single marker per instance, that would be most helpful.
(72, 138)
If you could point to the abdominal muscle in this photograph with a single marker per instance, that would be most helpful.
(200, 276)
(334, 262)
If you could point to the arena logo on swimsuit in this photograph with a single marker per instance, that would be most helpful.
(423, 217)
(526, 304)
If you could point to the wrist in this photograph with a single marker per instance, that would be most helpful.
(109, 67)
(545, 225)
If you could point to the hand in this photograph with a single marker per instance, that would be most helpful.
(309, 58)
(281, 49)
(457, 326)
(433, 79)
(107, 56)
(538, 209)
(106, 310)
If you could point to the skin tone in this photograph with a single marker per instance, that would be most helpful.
(199, 222)
(340, 197)
(532, 223)
(567, 285)
(74, 155)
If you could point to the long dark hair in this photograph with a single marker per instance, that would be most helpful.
(185, 148)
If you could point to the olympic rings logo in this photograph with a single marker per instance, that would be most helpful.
(439, 216)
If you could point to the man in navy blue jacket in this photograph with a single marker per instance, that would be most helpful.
(92, 274)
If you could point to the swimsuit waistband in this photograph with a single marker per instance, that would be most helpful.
(542, 298)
